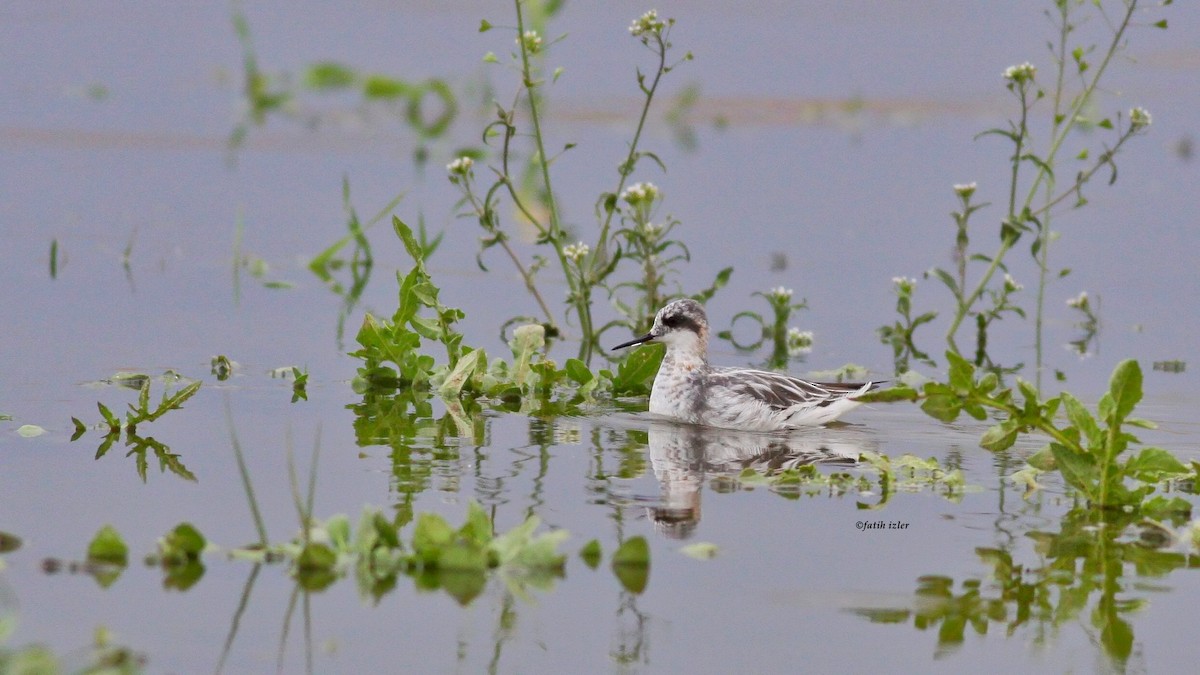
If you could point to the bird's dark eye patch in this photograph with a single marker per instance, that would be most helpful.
(672, 320)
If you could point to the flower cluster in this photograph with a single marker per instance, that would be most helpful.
(904, 284)
(459, 167)
(531, 41)
(1021, 73)
(641, 194)
(965, 190)
(1011, 285)
(1079, 302)
(575, 252)
(799, 341)
(1139, 118)
(647, 23)
(780, 294)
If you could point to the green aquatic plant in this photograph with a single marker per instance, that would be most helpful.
(392, 352)
(585, 265)
(1048, 126)
(1088, 450)
(141, 447)
(427, 107)
(899, 335)
(1089, 573)
(876, 476)
(787, 342)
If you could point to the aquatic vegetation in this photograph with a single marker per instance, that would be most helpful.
(1056, 119)
(899, 335)
(1090, 572)
(528, 377)
(427, 108)
(878, 476)
(787, 342)
(585, 266)
(141, 447)
(1086, 450)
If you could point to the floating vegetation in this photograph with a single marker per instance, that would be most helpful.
(1088, 572)
(141, 447)
(1086, 451)
(877, 476)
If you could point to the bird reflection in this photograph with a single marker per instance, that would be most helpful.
(683, 455)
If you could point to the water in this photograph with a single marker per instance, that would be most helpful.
(114, 138)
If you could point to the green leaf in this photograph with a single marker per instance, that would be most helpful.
(316, 557)
(1153, 464)
(185, 540)
(463, 371)
(1081, 419)
(478, 527)
(591, 553)
(899, 393)
(1125, 387)
(386, 88)
(431, 534)
(1001, 436)
(578, 371)
(1078, 470)
(962, 373)
(328, 76)
(484, 25)
(941, 402)
(463, 556)
(637, 370)
(631, 564)
(108, 547)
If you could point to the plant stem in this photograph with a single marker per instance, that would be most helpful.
(627, 165)
(526, 276)
(581, 300)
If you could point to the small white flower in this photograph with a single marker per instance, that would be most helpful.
(965, 190)
(1011, 284)
(1139, 118)
(532, 41)
(575, 252)
(904, 283)
(799, 341)
(1078, 302)
(460, 166)
(646, 23)
(651, 230)
(1021, 73)
(781, 293)
(640, 193)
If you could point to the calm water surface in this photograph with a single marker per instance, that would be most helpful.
(843, 129)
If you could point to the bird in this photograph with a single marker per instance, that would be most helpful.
(690, 390)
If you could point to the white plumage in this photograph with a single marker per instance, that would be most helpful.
(689, 390)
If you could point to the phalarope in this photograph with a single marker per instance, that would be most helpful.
(686, 388)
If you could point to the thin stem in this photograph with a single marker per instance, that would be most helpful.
(581, 299)
(1056, 144)
(512, 255)
(627, 165)
(1064, 30)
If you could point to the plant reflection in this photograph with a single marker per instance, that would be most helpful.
(683, 456)
(1090, 572)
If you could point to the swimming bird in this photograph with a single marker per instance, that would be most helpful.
(688, 389)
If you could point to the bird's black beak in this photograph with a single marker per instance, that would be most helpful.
(636, 341)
